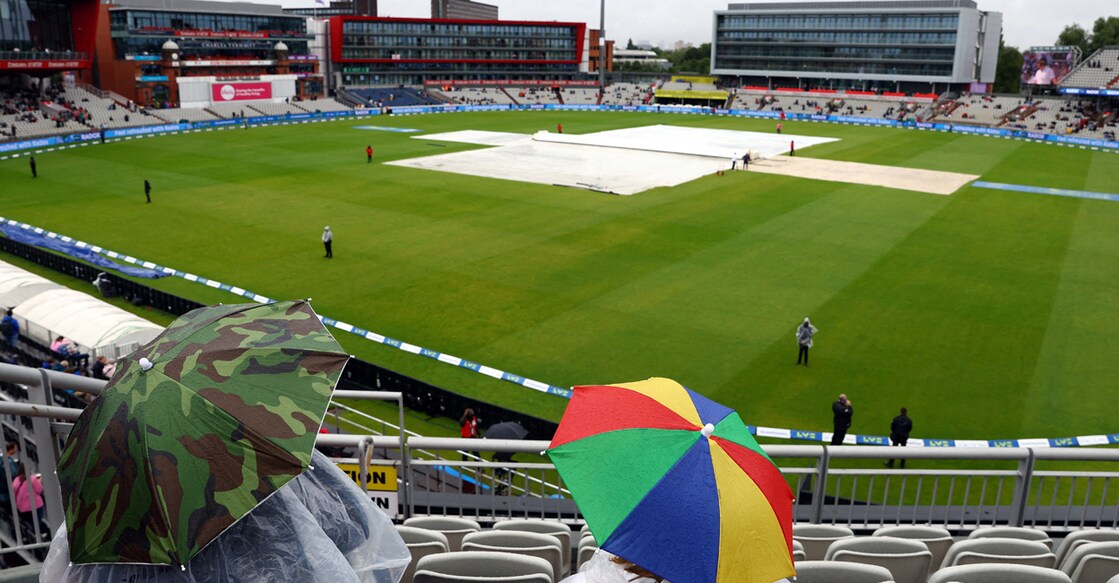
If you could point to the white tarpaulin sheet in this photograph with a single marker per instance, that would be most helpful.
(632, 160)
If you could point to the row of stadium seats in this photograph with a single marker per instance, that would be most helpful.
(904, 554)
(1099, 70)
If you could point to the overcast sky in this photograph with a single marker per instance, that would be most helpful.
(663, 22)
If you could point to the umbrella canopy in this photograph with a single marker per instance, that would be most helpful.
(195, 429)
(506, 430)
(675, 483)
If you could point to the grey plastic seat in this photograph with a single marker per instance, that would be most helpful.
(1079, 537)
(421, 542)
(938, 540)
(463, 567)
(452, 527)
(1092, 562)
(1000, 550)
(907, 560)
(798, 551)
(533, 544)
(586, 550)
(816, 538)
(1013, 532)
(833, 572)
(557, 529)
(998, 573)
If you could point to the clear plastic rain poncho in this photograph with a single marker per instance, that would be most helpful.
(320, 527)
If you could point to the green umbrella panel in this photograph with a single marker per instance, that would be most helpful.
(195, 429)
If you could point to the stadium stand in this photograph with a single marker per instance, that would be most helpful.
(580, 95)
(103, 112)
(627, 94)
(189, 114)
(393, 96)
(480, 96)
(535, 95)
(28, 113)
(1099, 70)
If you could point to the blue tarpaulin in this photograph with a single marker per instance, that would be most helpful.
(32, 238)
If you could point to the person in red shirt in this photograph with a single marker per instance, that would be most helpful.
(369, 154)
(559, 128)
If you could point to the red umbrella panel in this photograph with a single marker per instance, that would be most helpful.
(674, 482)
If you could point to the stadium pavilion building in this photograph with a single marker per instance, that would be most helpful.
(899, 45)
(159, 52)
(409, 51)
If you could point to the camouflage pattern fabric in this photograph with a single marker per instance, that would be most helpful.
(168, 458)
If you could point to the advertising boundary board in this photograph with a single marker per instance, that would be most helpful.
(47, 143)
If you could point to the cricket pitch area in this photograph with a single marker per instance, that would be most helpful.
(630, 161)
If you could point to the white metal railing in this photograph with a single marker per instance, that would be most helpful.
(1056, 489)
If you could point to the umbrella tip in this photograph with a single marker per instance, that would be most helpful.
(707, 430)
(145, 364)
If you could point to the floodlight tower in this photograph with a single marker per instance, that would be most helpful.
(602, 47)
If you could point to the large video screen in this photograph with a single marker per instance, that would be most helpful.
(1046, 68)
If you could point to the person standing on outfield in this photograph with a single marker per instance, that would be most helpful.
(34, 171)
(733, 160)
(899, 434)
(804, 340)
(779, 126)
(148, 190)
(792, 148)
(327, 241)
(559, 128)
(842, 411)
(369, 154)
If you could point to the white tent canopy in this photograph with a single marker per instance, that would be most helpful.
(18, 286)
(57, 311)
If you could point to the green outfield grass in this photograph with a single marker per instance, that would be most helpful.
(988, 314)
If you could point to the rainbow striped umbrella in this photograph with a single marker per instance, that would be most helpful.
(675, 483)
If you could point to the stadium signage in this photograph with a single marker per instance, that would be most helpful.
(509, 82)
(230, 63)
(223, 92)
(219, 34)
(8, 64)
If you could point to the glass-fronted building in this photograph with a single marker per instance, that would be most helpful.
(221, 40)
(857, 44)
(409, 51)
(43, 37)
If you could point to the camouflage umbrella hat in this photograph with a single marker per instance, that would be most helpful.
(195, 429)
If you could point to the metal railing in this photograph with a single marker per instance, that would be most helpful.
(956, 488)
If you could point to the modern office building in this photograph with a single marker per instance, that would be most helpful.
(410, 51)
(860, 44)
(151, 50)
(464, 9)
(338, 8)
